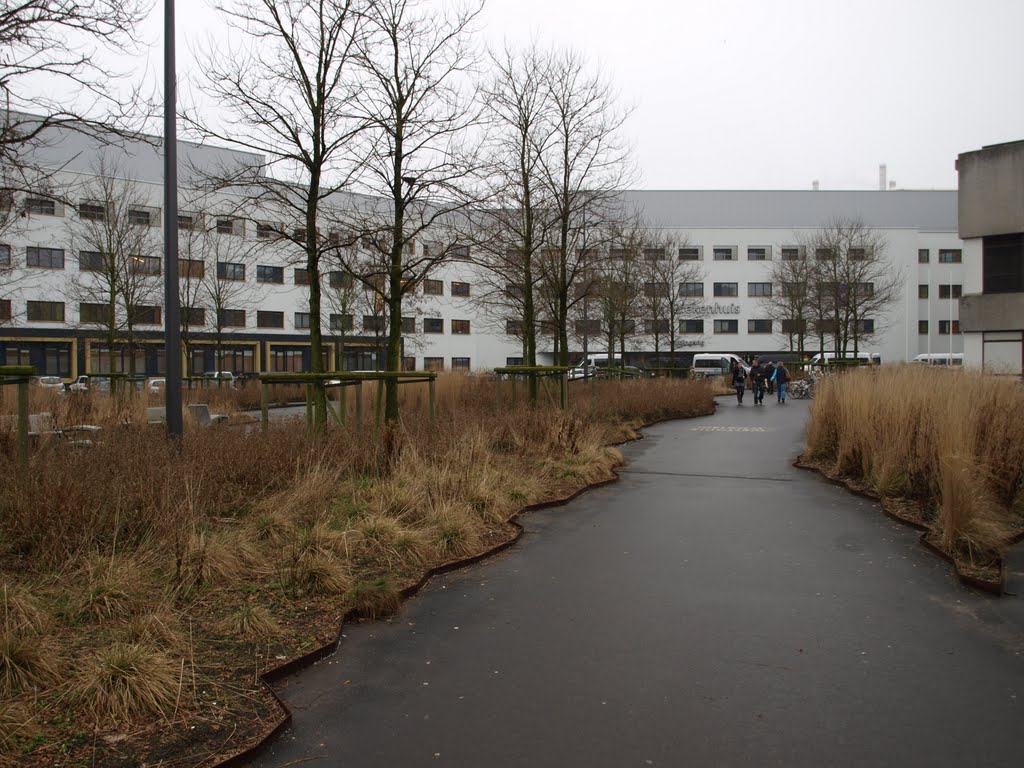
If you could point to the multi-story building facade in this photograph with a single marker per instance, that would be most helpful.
(992, 227)
(52, 295)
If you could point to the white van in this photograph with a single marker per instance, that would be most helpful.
(578, 371)
(940, 358)
(715, 364)
(865, 358)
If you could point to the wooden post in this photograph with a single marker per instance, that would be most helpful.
(264, 406)
(433, 400)
(342, 403)
(23, 421)
(564, 380)
(359, 406)
(514, 379)
(380, 402)
(497, 391)
(309, 407)
(593, 393)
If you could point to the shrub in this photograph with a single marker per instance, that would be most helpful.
(128, 680)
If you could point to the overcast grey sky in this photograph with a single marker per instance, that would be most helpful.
(772, 94)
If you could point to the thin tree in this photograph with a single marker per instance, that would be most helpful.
(790, 306)
(289, 96)
(414, 150)
(585, 166)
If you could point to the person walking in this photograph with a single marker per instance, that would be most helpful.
(739, 381)
(781, 378)
(769, 373)
(757, 381)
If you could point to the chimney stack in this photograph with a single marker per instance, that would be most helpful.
(881, 178)
(814, 185)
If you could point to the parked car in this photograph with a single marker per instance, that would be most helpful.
(86, 383)
(53, 383)
(81, 384)
(219, 376)
(156, 386)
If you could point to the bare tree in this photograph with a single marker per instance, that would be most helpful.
(414, 151)
(585, 166)
(290, 99)
(519, 216)
(794, 292)
(664, 300)
(119, 284)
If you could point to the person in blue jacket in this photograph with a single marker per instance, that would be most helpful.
(781, 379)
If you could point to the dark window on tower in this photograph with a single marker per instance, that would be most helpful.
(1003, 263)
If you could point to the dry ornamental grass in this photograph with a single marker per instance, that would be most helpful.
(171, 579)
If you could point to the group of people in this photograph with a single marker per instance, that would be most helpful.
(770, 377)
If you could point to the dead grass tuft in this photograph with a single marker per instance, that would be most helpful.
(250, 622)
(374, 599)
(27, 663)
(126, 681)
(15, 721)
(20, 610)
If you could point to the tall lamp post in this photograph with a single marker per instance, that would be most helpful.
(172, 327)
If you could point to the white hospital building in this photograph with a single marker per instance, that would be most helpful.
(733, 235)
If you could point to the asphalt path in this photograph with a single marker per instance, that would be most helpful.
(716, 607)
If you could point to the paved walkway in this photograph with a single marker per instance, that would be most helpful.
(714, 608)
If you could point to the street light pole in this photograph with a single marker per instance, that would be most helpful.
(172, 327)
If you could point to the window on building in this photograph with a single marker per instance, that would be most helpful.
(460, 363)
(142, 217)
(94, 313)
(1002, 263)
(757, 253)
(45, 258)
(759, 326)
(409, 363)
(825, 326)
(301, 276)
(146, 265)
(265, 231)
(857, 254)
(791, 253)
(691, 290)
(655, 290)
(373, 324)
(433, 325)
(654, 254)
(727, 289)
(302, 321)
(794, 326)
(269, 319)
(689, 254)
(227, 270)
(950, 256)
(922, 291)
(45, 311)
(433, 363)
(944, 326)
(342, 322)
(41, 206)
(459, 252)
(865, 290)
(652, 327)
(950, 291)
(514, 291)
(340, 280)
(5, 255)
(727, 326)
(590, 328)
(724, 253)
(791, 290)
(923, 256)
(433, 288)
(460, 327)
(865, 326)
(143, 314)
(824, 254)
(513, 361)
(188, 222)
(194, 269)
(922, 327)
(5, 309)
(409, 325)
(460, 289)
(193, 317)
(265, 274)
(92, 211)
(759, 289)
(231, 318)
(514, 327)
(91, 261)
(225, 225)
(691, 326)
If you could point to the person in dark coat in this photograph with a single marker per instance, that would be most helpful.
(757, 381)
(739, 381)
(781, 377)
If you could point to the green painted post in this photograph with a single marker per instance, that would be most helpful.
(23, 421)
(564, 380)
(264, 406)
(433, 400)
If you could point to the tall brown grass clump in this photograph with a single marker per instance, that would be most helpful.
(951, 440)
(127, 680)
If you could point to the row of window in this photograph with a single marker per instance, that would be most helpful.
(945, 291)
(944, 326)
(595, 328)
(946, 256)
